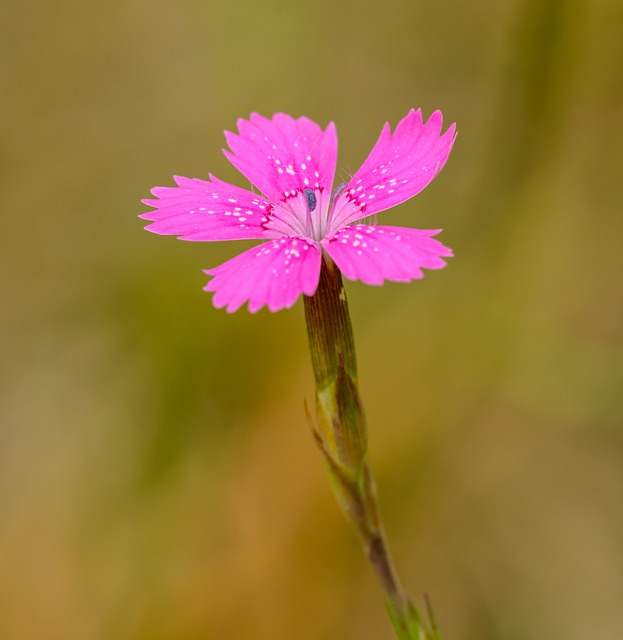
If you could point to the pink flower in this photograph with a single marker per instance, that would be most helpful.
(292, 163)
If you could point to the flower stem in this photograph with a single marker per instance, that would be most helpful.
(340, 432)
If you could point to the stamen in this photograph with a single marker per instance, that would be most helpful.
(310, 196)
(334, 196)
(336, 192)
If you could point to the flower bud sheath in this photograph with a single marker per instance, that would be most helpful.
(340, 432)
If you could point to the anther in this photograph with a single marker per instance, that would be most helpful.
(310, 196)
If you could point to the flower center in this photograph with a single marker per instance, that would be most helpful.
(300, 212)
(312, 213)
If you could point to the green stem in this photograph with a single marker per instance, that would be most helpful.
(340, 432)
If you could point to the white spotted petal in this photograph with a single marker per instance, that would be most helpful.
(204, 210)
(374, 254)
(273, 274)
(283, 155)
(399, 166)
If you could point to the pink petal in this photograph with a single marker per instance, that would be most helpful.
(374, 254)
(283, 155)
(207, 210)
(273, 274)
(399, 166)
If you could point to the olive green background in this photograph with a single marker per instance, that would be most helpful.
(157, 477)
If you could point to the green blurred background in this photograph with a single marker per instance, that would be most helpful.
(157, 477)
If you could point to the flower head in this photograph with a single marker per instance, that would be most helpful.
(299, 216)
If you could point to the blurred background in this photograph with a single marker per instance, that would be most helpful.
(157, 476)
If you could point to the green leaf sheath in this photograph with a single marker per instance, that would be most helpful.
(339, 428)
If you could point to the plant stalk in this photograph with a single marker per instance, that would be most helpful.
(340, 432)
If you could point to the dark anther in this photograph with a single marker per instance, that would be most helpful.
(310, 196)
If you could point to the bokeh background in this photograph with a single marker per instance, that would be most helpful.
(157, 477)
